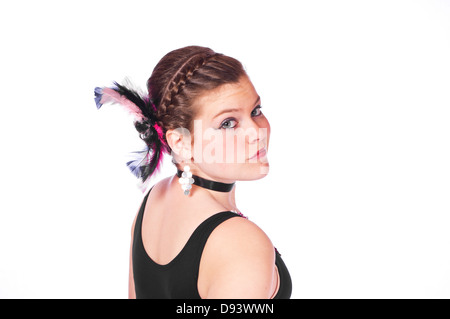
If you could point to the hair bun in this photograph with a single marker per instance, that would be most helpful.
(146, 131)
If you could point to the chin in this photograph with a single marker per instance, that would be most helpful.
(228, 173)
(254, 172)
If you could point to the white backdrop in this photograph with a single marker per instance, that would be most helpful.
(357, 93)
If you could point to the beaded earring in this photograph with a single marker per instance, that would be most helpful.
(186, 180)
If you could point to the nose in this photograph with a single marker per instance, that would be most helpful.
(256, 134)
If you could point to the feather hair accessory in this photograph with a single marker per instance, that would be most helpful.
(148, 161)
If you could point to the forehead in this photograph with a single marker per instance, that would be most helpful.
(235, 95)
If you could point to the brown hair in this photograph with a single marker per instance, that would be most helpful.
(183, 75)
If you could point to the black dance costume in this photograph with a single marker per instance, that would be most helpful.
(178, 278)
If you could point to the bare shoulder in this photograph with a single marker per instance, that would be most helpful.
(238, 262)
(242, 233)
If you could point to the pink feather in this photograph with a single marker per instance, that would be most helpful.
(111, 96)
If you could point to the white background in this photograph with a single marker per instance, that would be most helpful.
(358, 96)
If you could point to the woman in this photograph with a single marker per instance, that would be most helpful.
(189, 239)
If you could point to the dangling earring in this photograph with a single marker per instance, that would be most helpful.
(186, 180)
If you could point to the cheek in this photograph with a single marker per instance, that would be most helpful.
(230, 146)
(234, 145)
(216, 148)
(268, 132)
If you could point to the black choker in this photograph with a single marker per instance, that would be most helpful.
(208, 184)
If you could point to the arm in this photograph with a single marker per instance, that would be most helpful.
(131, 290)
(238, 262)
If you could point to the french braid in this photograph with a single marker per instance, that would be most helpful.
(168, 106)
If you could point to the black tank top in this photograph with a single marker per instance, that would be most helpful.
(178, 278)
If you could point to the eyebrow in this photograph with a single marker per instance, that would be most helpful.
(233, 109)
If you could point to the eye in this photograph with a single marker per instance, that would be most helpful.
(256, 111)
(228, 123)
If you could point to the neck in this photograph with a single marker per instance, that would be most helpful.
(227, 200)
(222, 193)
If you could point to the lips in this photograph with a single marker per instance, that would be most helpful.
(261, 153)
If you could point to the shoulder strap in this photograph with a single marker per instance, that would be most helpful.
(206, 228)
(140, 216)
(200, 236)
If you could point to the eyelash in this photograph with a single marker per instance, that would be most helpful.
(222, 126)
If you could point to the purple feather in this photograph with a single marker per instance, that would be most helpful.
(98, 96)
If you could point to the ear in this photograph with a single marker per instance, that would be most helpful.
(179, 141)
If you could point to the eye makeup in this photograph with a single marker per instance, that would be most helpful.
(232, 122)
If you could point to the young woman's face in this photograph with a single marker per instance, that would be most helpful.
(231, 134)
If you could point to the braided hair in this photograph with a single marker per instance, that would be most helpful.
(179, 78)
